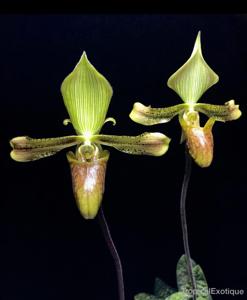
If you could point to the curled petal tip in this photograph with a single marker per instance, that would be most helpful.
(17, 156)
(66, 122)
(110, 119)
(234, 111)
(140, 114)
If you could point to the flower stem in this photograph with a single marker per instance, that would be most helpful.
(187, 173)
(114, 253)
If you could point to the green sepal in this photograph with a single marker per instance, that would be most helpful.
(228, 112)
(87, 95)
(147, 115)
(194, 78)
(28, 149)
(155, 144)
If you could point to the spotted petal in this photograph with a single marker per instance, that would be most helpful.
(86, 95)
(228, 112)
(28, 149)
(155, 144)
(194, 78)
(147, 115)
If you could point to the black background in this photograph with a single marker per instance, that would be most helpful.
(48, 251)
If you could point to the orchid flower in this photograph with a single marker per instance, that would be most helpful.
(190, 82)
(87, 95)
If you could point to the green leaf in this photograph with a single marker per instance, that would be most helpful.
(155, 143)
(29, 149)
(183, 279)
(87, 96)
(178, 296)
(228, 112)
(161, 289)
(147, 115)
(194, 78)
(184, 282)
(144, 296)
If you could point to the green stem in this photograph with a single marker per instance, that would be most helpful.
(187, 173)
(114, 253)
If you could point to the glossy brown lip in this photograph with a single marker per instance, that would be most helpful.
(88, 182)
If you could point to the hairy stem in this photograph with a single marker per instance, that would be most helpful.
(114, 253)
(187, 173)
